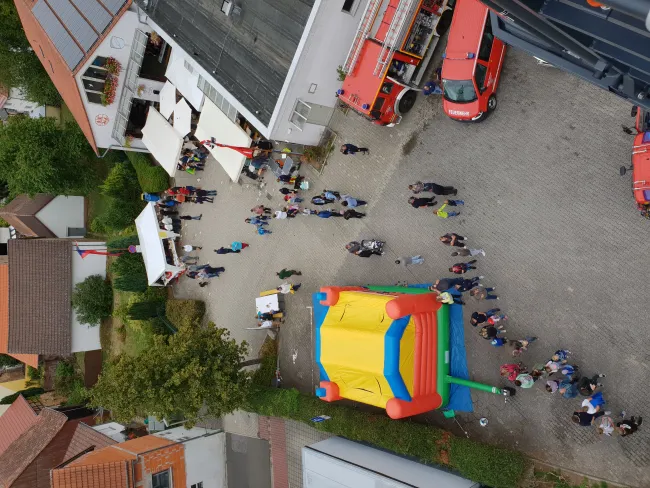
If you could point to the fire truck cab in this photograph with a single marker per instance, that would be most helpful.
(640, 158)
(387, 60)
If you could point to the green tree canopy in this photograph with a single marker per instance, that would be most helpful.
(92, 299)
(19, 65)
(179, 374)
(37, 155)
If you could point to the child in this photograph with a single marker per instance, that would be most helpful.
(561, 355)
(490, 332)
(480, 317)
(496, 318)
(521, 345)
(262, 231)
(462, 268)
(525, 380)
(445, 215)
(448, 298)
(606, 426)
(511, 370)
(594, 402)
(498, 341)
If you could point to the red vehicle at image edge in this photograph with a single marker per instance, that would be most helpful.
(472, 63)
(393, 46)
(640, 160)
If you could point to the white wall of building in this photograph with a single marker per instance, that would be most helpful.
(63, 213)
(117, 45)
(324, 47)
(86, 337)
(205, 457)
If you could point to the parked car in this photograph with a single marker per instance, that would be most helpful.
(472, 63)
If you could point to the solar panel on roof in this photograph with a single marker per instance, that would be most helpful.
(57, 34)
(74, 22)
(114, 6)
(94, 12)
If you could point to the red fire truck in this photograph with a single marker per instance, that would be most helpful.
(393, 46)
(640, 160)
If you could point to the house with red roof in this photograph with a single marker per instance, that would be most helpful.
(32, 443)
(95, 53)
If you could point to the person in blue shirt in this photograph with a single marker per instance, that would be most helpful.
(351, 149)
(348, 201)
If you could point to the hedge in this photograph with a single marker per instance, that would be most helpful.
(152, 179)
(29, 392)
(489, 465)
(185, 313)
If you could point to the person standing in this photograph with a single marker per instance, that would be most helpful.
(332, 196)
(481, 317)
(521, 345)
(280, 214)
(489, 332)
(483, 294)
(326, 214)
(225, 250)
(453, 240)
(468, 284)
(629, 426)
(256, 221)
(511, 370)
(432, 187)
(422, 202)
(366, 253)
(189, 217)
(350, 202)
(285, 288)
(352, 214)
(524, 380)
(261, 210)
(443, 214)
(187, 258)
(405, 261)
(286, 273)
(584, 418)
(468, 252)
(462, 268)
(189, 248)
(351, 149)
(449, 299)
(445, 284)
(589, 384)
(238, 246)
(262, 231)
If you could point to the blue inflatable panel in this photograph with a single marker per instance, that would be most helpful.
(460, 398)
(320, 311)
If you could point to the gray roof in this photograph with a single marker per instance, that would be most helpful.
(40, 294)
(74, 26)
(249, 52)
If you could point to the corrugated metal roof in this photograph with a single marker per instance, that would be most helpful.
(114, 6)
(94, 12)
(74, 23)
(62, 41)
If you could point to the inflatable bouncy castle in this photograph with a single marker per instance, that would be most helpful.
(388, 347)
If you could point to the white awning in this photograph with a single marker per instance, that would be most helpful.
(162, 140)
(214, 123)
(182, 118)
(167, 99)
(151, 244)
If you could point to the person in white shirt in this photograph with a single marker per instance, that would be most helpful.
(285, 288)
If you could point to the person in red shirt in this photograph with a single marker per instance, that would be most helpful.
(462, 268)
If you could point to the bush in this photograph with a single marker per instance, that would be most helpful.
(92, 299)
(131, 273)
(34, 374)
(69, 383)
(117, 215)
(121, 183)
(492, 466)
(28, 392)
(152, 179)
(123, 242)
(146, 310)
(185, 313)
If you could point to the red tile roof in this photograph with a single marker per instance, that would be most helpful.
(28, 446)
(108, 475)
(56, 67)
(18, 418)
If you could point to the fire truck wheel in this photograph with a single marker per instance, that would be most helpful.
(492, 103)
(407, 102)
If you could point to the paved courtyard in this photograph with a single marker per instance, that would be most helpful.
(565, 248)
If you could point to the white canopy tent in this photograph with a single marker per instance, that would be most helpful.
(152, 248)
(214, 123)
(182, 118)
(164, 143)
(167, 99)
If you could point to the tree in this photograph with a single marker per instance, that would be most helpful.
(92, 299)
(37, 155)
(19, 65)
(130, 271)
(179, 374)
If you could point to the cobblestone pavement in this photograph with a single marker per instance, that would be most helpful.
(565, 247)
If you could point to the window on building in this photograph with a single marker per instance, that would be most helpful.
(348, 5)
(161, 480)
(94, 79)
(217, 98)
(226, 5)
(188, 66)
(197, 485)
(300, 114)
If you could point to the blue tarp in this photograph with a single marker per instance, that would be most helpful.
(460, 398)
